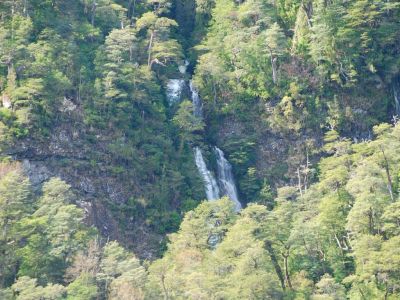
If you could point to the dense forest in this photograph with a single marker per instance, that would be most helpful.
(199, 149)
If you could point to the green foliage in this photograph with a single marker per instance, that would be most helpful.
(120, 274)
(250, 184)
(189, 125)
(247, 74)
(327, 288)
(82, 288)
(306, 246)
(337, 239)
(275, 76)
(53, 232)
(15, 204)
(27, 289)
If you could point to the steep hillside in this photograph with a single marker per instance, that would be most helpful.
(118, 118)
(84, 100)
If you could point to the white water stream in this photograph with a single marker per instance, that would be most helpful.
(396, 94)
(210, 184)
(174, 90)
(224, 185)
(225, 178)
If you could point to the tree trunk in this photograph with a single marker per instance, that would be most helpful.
(307, 170)
(396, 99)
(94, 5)
(342, 245)
(389, 178)
(79, 87)
(12, 10)
(131, 10)
(285, 262)
(166, 297)
(149, 49)
(362, 293)
(25, 10)
(275, 263)
(299, 181)
(274, 70)
(370, 221)
(215, 93)
(386, 291)
(130, 53)
(308, 10)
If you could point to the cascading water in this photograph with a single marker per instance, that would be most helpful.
(210, 184)
(396, 93)
(225, 185)
(225, 175)
(182, 68)
(225, 178)
(174, 90)
(197, 104)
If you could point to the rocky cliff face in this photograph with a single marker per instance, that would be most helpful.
(81, 158)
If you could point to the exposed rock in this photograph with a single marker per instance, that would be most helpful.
(36, 171)
(86, 165)
(67, 105)
(87, 185)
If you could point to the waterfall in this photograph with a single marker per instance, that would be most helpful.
(182, 68)
(210, 184)
(175, 87)
(225, 178)
(396, 94)
(225, 184)
(174, 90)
(197, 104)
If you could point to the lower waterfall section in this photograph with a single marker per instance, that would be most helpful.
(210, 184)
(396, 95)
(225, 178)
(226, 184)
